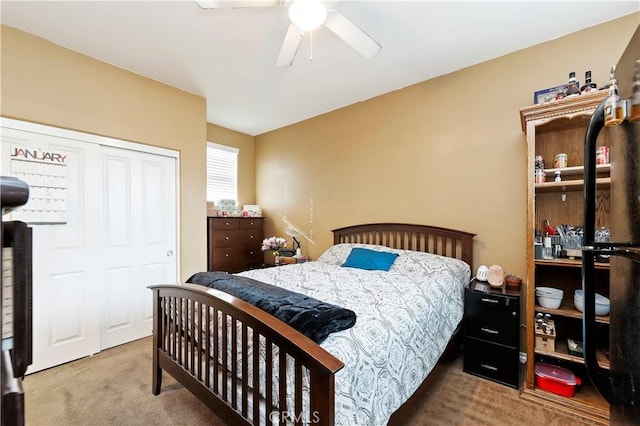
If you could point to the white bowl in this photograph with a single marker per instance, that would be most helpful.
(549, 291)
(602, 303)
(549, 297)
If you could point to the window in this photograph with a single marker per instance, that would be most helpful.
(222, 172)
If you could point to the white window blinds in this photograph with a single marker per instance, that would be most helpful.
(222, 172)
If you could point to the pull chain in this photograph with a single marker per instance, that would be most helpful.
(311, 46)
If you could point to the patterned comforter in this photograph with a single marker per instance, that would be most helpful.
(405, 318)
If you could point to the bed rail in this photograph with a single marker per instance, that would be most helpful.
(224, 373)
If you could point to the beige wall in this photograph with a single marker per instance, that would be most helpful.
(447, 152)
(45, 83)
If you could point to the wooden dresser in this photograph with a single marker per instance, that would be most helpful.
(234, 243)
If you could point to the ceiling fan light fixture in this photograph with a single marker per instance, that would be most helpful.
(307, 15)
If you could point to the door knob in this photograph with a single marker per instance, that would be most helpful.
(169, 253)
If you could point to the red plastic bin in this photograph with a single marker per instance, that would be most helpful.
(556, 379)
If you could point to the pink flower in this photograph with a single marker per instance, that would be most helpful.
(275, 244)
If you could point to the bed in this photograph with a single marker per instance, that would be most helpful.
(366, 374)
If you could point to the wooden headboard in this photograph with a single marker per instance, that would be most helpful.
(431, 239)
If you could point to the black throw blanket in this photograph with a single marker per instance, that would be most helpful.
(311, 317)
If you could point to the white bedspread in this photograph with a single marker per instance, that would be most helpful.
(405, 318)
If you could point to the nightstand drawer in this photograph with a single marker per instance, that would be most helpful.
(491, 361)
(492, 300)
(494, 318)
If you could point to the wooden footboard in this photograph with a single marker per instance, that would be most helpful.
(217, 365)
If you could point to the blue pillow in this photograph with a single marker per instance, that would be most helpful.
(370, 259)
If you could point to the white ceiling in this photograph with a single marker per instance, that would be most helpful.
(228, 56)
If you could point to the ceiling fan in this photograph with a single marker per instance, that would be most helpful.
(306, 16)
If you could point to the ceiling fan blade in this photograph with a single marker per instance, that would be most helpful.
(289, 46)
(350, 33)
(233, 4)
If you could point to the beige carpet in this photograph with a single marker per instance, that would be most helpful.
(114, 388)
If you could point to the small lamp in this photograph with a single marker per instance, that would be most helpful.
(293, 233)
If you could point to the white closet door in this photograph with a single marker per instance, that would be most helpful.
(138, 236)
(65, 258)
(90, 273)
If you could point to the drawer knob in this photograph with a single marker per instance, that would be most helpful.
(251, 237)
(486, 300)
(226, 255)
(250, 252)
(226, 237)
(226, 223)
(490, 331)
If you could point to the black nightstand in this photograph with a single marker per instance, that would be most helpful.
(491, 333)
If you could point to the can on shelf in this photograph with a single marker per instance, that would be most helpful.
(560, 161)
(539, 176)
(602, 155)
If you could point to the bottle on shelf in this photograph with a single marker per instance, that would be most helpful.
(539, 169)
(547, 250)
(588, 85)
(573, 85)
(634, 102)
(614, 105)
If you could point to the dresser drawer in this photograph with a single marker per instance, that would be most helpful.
(234, 267)
(491, 317)
(251, 238)
(219, 223)
(251, 223)
(225, 255)
(491, 361)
